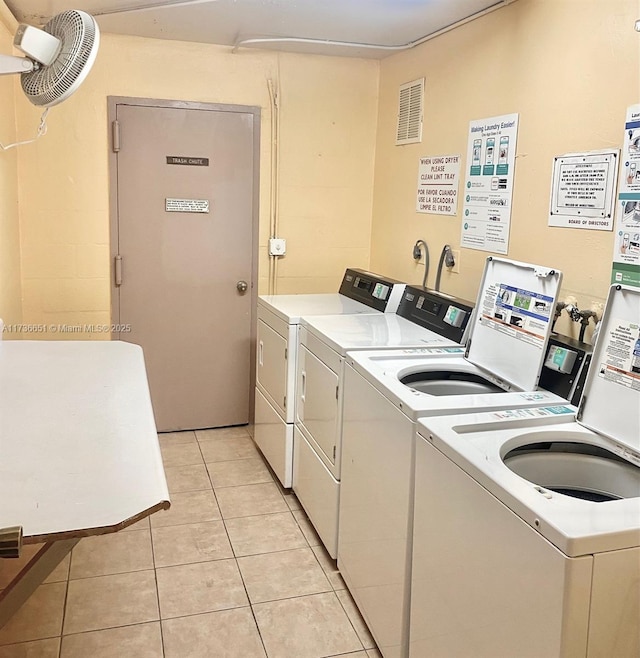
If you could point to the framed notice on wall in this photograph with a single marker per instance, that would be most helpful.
(583, 190)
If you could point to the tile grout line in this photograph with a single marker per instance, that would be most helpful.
(235, 557)
(116, 573)
(233, 551)
(253, 614)
(213, 491)
(255, 621)
(350, 622)
(333, 589)
(107, 628)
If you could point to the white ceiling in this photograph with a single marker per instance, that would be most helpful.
(389, 23)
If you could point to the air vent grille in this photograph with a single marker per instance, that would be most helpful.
(410, 113)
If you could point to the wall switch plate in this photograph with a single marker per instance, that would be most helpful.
(277, 246)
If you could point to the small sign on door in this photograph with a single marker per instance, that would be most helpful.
(188, 161)
(186, 205)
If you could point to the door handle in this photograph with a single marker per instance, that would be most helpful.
(261, 353)
(303, 392)
(242, 287)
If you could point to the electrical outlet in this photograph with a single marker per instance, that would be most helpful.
(598, 309)
(456, 255)
(277, 247)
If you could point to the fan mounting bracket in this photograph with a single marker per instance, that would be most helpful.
(10, 64)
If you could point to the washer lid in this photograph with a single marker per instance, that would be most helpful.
(610, 403)
(511, 327)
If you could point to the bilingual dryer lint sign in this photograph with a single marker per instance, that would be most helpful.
(438, 177)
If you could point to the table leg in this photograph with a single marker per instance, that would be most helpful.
(32, 575)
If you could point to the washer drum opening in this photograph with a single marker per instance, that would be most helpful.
(579, 470)
(446, 382)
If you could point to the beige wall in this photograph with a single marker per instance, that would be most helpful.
(10, 293)
(328, 124)
(570, 68)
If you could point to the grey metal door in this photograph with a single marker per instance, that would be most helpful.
(184, 256)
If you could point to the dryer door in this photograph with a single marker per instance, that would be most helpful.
(271, 364)
(317, 403)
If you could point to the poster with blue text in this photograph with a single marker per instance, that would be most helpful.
(626, 243)
(488, 190)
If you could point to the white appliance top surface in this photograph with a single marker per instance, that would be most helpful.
(360, 332)
(384, 368)
(477, 443)
(291, 308)
(79, 451)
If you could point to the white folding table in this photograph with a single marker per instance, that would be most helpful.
(79, 451)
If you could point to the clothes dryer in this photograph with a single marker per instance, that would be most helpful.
(425, 317)
(360, 292)
(527, 522)
(385, 392)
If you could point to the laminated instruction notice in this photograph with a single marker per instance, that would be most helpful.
(488, 190)
(626, 243)
(521, 314)
(621, 363)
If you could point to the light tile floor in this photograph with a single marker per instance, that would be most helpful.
(233, 570)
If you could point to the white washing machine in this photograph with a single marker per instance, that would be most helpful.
(424, 317)
(527, 525)
(386, 392)
(277, 337)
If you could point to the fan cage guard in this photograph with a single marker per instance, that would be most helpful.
(54, 83)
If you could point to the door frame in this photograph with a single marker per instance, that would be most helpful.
(112, 103)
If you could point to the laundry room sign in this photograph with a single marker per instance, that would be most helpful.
(438, 177)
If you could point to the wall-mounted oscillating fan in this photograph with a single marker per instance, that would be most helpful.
(59, 57)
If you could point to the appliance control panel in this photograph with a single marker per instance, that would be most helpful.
(565, 367)
(441, 313)
(378, 292)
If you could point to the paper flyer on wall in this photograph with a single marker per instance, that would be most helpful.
(491, 156)
(438, 177)
(583, 190)
(626, 245)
